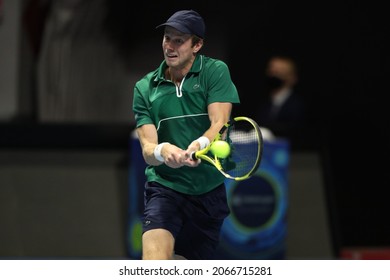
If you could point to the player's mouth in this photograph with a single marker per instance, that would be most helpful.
(170, 55)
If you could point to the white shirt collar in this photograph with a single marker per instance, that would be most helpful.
(279, 98)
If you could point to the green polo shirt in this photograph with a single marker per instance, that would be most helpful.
(180, 116)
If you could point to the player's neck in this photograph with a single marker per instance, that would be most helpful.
(173, 75)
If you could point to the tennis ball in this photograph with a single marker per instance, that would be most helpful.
(220, 148)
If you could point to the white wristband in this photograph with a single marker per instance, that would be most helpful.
(157, 151)
(203, 142)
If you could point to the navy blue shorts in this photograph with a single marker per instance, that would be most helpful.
(195, 221)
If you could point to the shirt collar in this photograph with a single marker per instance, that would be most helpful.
(195, 68)
(281, 97)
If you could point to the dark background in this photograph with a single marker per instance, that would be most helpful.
(342, 57)
(342, 53)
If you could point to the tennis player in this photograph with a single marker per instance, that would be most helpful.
(179, 108)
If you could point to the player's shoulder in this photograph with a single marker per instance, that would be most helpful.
(212, 64)
(147, 79)
(212, 61)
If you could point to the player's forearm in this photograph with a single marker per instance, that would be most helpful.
(148, 152)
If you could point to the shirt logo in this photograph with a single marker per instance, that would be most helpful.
(196, 86)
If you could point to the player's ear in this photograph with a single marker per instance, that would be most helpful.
(198, 44)
(197, 50)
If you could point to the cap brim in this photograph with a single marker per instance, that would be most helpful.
(177, 26)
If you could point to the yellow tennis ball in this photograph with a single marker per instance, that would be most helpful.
(220, 148)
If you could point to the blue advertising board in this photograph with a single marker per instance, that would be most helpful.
(256, 227)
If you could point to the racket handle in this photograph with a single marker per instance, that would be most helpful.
(193, 156)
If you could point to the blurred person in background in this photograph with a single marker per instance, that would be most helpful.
(283, 110)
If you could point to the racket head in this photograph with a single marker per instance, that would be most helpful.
(246, 144)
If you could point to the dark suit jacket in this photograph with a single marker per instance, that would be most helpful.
(290, 117)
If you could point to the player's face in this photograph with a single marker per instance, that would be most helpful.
(178, 49)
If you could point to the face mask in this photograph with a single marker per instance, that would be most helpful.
(272, 83)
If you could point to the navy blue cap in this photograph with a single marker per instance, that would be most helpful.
(188, 22)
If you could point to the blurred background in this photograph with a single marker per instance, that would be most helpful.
(67, 71)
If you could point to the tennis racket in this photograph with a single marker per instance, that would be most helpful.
(244, 136)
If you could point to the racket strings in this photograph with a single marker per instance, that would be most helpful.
(246, 147)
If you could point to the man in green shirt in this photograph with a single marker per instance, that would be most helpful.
(179, 108)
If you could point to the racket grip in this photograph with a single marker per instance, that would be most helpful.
(193, 156)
